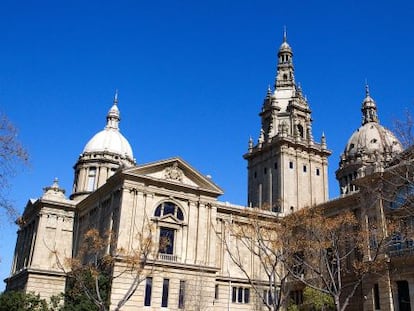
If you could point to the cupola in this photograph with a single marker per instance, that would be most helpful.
(369, 149)
(105, 153)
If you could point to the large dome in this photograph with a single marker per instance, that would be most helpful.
(106, 152)
(109, 140)
(371, 141)
(370, 148)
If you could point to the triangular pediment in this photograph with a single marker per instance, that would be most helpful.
(169, 219)
(178, 172)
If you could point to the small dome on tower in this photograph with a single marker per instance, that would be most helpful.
(370, 147)
(368, 102)
(114, 111)
(105, 153)
(371, 139)
(285, 47)
(110, 138)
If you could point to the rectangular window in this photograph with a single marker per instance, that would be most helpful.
(276, 209)
(148, 292)
(265, 170)
(165, 288)
(91, 179)
(275, 166)
(290, 164)
(318, 172)
(240, 294)
(376, 297)
(216, 292)
(166, 240)
(304, 168)
(181, 295)
(234, 294)
(269, 297)
(246, 295)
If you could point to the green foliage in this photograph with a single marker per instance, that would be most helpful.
(76, 297)
(20, 301)
(293, 307)
(78, 302)
(55, 303)
(317, 300)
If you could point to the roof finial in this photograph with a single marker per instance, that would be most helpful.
(55, 182)
(112, 118)
(250, 144)
(116, 97)
(366, 88)
(284, 34)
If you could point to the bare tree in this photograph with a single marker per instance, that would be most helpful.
(98, 263)
(253, 241)
(12, 155)
(404, 129)
(332, 252)
(194, 295)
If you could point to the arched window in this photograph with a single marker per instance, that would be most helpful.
(169, 229)
(169, 208)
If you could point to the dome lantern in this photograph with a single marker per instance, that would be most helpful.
(369, 108)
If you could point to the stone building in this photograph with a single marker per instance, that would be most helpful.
(287, 170)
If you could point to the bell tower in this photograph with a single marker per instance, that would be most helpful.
(287, 169)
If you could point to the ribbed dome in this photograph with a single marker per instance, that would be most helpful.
(372, 140)
(109, 140)
(370, 148)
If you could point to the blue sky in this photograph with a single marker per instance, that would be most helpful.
(191, 76)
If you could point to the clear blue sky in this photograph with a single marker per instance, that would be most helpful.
(191, 76)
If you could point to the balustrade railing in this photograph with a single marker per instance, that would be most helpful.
(167, 257)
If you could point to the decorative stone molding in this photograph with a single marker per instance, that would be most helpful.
(174, 173)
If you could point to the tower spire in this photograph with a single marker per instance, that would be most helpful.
(113, 116)
(286, 127)
(284, 76)
(116, 97)
(366, 88)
